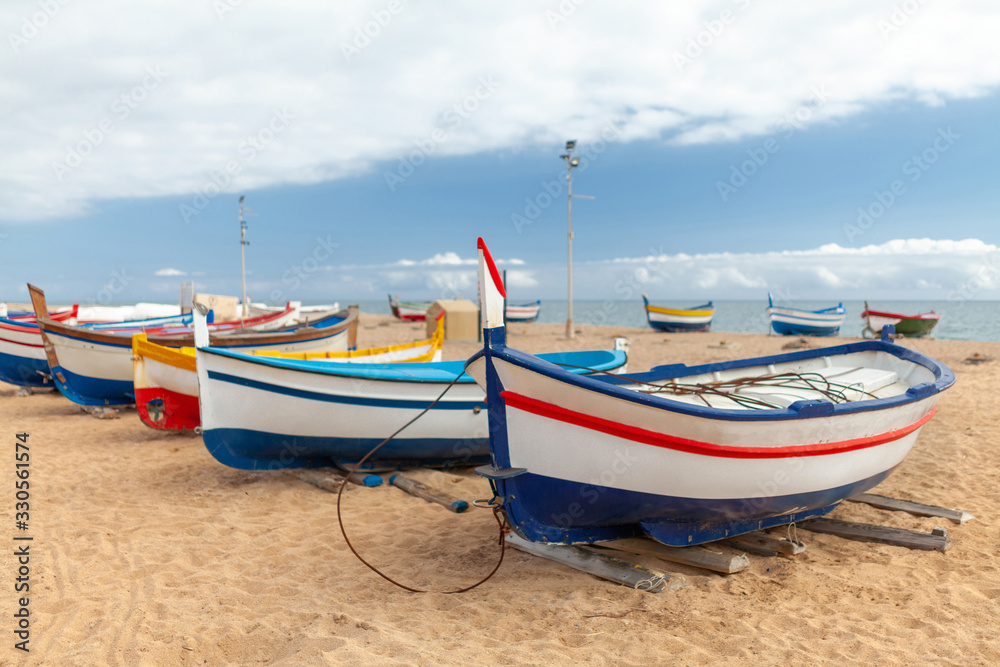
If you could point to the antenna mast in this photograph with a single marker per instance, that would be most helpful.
(243, 255)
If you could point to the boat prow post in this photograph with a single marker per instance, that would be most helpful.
(201, 338)
(493, 296)
(492, 302)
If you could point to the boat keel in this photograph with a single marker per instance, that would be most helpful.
(682, 534)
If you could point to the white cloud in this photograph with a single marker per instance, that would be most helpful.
(170, 272)
(901, 268)
(440, 259)
(926, 269)
(169, 94)
(521, 279)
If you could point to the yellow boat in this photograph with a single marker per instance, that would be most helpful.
(166, 380)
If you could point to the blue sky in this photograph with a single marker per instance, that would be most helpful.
(732, 148)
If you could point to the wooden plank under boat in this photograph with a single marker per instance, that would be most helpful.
(696, 318)
(688, 455)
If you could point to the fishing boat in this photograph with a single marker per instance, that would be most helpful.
(77, 314)
(525, 312)
(910, 326)
(23, 361)
(688, 455)
(260, 412)
(22, 355)
(166, 381)
(93, 367)
(696, 318)
(409, 311)
(305, 315)
(131, 313)
(798, 322)
(67, 315)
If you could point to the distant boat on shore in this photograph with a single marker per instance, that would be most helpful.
(696, 318)
(799, 322)
(416, 311)
(409, 311)
(910, 326)
(525, 312)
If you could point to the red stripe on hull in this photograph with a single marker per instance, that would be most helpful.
(17, 342)
(647, 437)
(179, 412)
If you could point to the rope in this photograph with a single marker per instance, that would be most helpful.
(728, 389)
(501, 522)
(652, 584)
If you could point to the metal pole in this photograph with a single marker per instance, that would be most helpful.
(569, 250)
(243, 256)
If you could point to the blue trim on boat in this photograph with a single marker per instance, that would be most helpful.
(152, 323)
(418, 404)
(126, 337)
(608, 384)
(427, 371)
(18, 323)
(838, 309)
(23, 371)
(255, 450)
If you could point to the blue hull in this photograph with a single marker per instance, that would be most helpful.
(85, 390)
(675, 328)
(786, 329)
(24, 372)
(584, 513)
(256, 450)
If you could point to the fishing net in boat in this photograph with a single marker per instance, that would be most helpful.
(734, 390)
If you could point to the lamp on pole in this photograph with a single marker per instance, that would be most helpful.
(243, 255)
(571, 162)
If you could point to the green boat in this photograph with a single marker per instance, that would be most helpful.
(909, 326)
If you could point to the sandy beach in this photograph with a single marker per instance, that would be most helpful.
(147, 551)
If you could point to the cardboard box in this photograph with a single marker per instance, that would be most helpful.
(461, 319)
(225, 307)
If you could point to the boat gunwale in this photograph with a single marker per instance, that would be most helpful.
(929, 316)
(611, 385)
(356, 371)
(248, 339)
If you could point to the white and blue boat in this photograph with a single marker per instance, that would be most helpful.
(23, 361)
(798, 322)
(523, 312)
(688, 455)
(695, 318)
(94, 367)
(260, 412)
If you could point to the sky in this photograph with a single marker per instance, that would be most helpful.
(836, 151)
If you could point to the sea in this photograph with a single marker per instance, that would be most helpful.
(960, 320)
